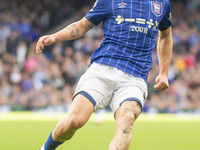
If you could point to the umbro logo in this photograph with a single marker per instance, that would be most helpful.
(122, 5)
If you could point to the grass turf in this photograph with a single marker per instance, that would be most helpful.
(28, 131)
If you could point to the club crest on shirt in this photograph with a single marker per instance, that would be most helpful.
(122, 5)
(156, 8)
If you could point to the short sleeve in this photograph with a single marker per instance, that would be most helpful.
(166, 21)
(98, 12)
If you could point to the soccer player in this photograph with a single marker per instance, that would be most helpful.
(119, 67)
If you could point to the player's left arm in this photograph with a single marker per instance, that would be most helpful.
(164, 51)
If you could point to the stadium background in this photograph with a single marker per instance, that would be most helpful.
(36, 90)
(46, 82)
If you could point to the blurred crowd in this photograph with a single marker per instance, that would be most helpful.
(46, 82)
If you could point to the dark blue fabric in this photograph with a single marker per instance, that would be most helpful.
(51, 144)
(88, 97)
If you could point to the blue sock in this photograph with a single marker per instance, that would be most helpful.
(51, 144)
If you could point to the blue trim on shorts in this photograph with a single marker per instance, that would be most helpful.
(88, 97)
(132, 99)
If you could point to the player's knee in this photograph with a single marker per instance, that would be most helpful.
(125, 122)
(125, 125)
(74, 122)
(130, 109)
(128, 119)
(127, 116)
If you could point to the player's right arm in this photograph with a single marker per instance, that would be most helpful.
(164, 51)
(73, 31)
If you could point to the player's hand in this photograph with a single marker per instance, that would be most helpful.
(44, 41)
(161, 82)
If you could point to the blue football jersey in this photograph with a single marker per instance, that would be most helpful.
(130, 31)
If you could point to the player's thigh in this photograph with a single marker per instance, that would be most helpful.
(81, 109)
(129, 110)
(129, 89)
(96, 85)
(131, 97)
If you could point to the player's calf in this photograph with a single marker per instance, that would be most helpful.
(66, 128)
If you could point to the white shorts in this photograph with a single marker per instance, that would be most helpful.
(104, 85)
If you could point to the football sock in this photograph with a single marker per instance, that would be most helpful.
(51, 144)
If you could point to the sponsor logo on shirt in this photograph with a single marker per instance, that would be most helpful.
(150, 23)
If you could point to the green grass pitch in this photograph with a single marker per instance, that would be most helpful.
(28, 131)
